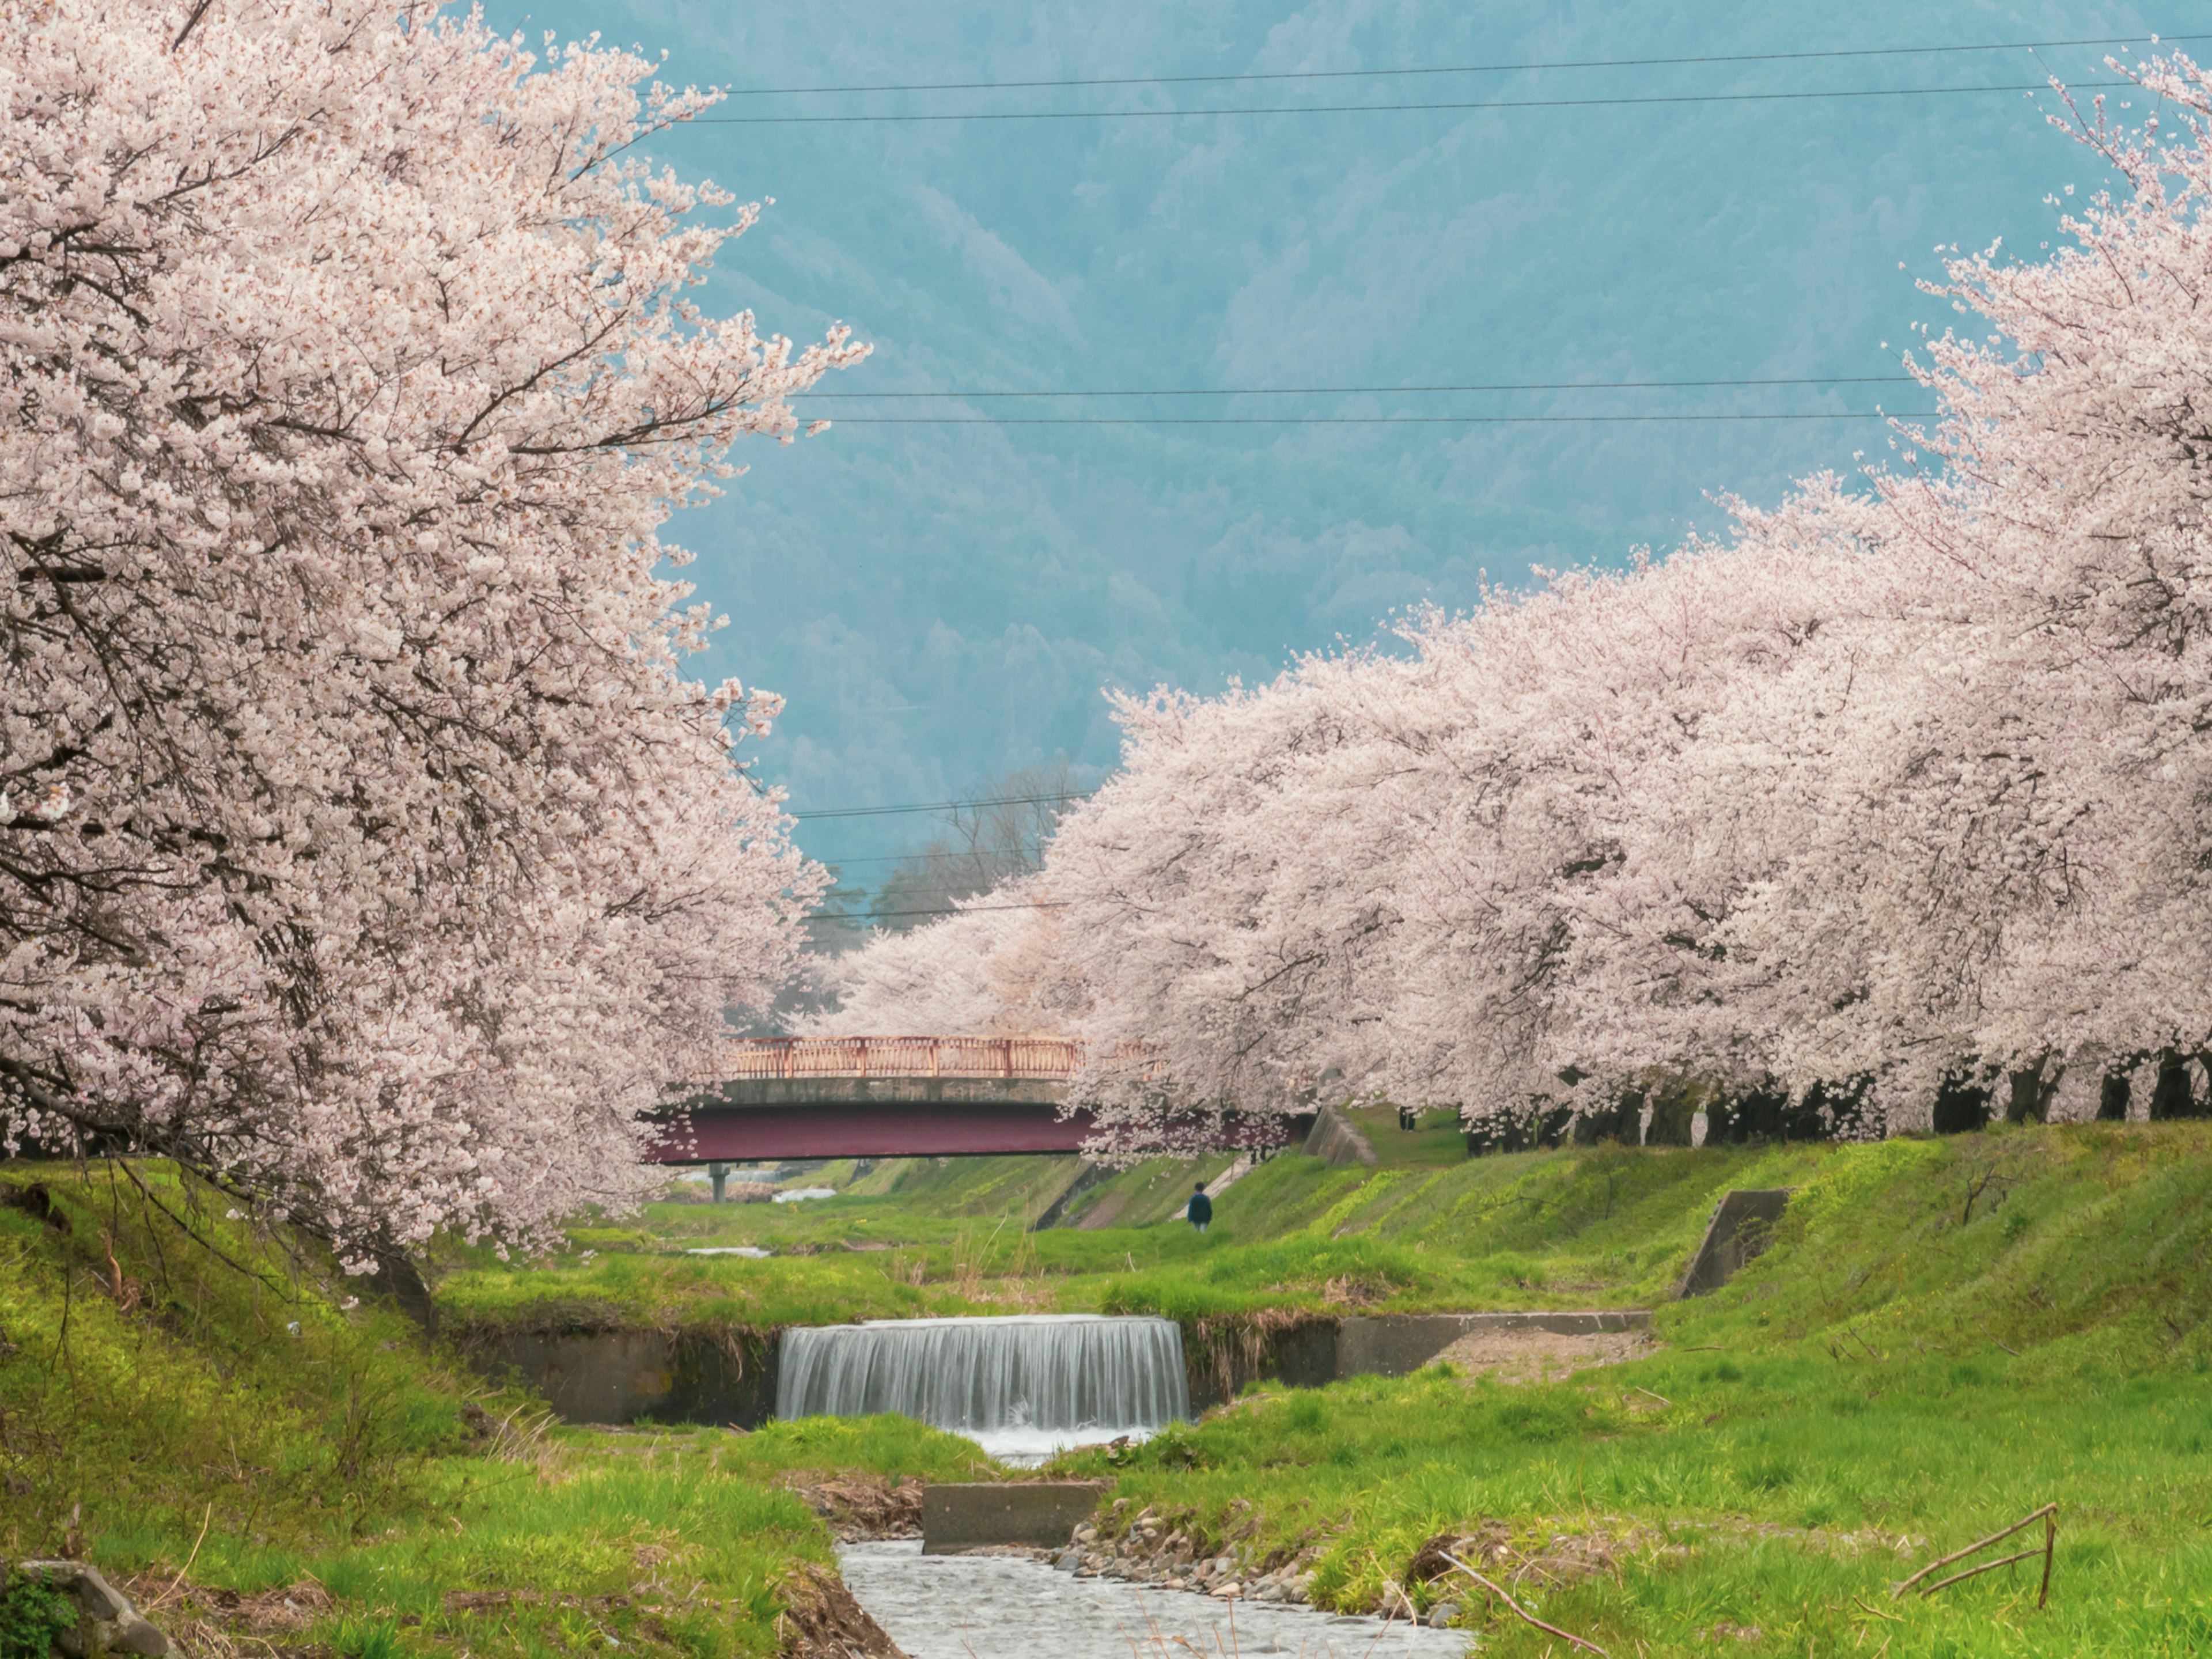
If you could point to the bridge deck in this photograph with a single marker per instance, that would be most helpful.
(911, 1097)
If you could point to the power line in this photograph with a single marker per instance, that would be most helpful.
(942, 806)
(1466, 69)
(966, 911)
(1354, 420)
(1353, 391)
(903, 858)
(1378, 109)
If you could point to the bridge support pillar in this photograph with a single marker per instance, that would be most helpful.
(717, 1173)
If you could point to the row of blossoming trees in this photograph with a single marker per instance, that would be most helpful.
(361, 846)
(1900, 791)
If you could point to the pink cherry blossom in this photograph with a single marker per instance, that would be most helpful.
(365, 849)
(1904, 778)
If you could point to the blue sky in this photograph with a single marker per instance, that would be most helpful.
(940, 602)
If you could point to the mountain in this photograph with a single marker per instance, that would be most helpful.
(941, 602)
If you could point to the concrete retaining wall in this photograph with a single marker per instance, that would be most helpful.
(964, 1516)
(1741, 1228)
(1314, 1354)
(1335, 1142)
(1398, 1344)
(618, 1377)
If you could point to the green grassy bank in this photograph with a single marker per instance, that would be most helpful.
(1944, 1336)
(1427, 1228)
(201, 1413)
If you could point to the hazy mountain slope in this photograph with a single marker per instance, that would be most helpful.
(940, 602)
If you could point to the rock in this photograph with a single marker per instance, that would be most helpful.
(1443, 1614)
(1229, 1591)
(1069, 1562)
(106, 1622)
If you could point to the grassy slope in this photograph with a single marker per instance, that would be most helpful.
(1428, 1229)
(1903, 1362)
(1900, 1363)
(311, 1441)
(1945, 1334)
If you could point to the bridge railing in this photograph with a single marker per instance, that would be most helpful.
(1046, 1059)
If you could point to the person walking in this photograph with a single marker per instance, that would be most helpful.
(1201, 1207)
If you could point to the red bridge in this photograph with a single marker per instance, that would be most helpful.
(909, 1096)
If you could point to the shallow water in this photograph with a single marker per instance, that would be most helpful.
(997, 1607)
(1028, 1449)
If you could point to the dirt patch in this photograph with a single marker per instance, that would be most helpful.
(203, 1622)
(821, 1620)
(1353, 1293)
(493, 1601)
(1538, 1553)
(1104, 1213)
(857, 1504)
(1531, 1356)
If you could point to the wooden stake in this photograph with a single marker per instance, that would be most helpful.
(2046, 1511)
(1986, 1566)
(2050, 1548)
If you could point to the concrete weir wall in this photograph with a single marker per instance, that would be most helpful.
(696, 1377)
(619, 1376)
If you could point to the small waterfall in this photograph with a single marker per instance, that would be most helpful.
(1022, 1387)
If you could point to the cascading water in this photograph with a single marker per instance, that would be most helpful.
(1022, 1387)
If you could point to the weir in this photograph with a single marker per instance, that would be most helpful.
(1022, 1387)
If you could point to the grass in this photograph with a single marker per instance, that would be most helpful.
(1769, 1495)
(1428, 1230)
(1944, 1335)
(180, 1399)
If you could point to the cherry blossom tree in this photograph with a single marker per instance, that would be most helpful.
(992, 967)
(1901, 783)
(362, 847)
(2018, 845)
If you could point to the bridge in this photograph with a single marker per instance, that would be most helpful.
(867, 1097)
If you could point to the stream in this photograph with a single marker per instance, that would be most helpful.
(999, 1607)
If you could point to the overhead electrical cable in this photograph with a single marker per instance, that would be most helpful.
(943, 805)
(1349, 391)
(1384, 109)
(1359, 420)
(1468, 69)
(964, 910)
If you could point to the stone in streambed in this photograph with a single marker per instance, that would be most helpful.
(106, 1623)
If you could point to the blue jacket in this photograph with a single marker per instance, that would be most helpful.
(1201, 1207)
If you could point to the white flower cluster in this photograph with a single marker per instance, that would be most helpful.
(383, 865)
(1901, 782)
